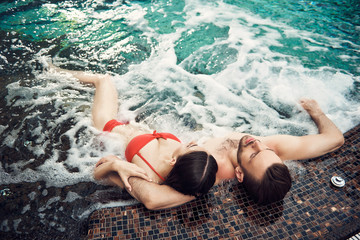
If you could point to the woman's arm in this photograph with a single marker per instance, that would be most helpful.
(153, 195)
(118, 171)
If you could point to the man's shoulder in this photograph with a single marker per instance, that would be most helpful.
(274, 141)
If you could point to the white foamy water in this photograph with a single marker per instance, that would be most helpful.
(195, 69)
(257, 92)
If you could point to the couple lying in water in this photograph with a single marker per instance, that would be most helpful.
(163, 172)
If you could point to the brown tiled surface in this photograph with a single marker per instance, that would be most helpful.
(313, 209)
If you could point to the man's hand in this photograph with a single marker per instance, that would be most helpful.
(123, 168)
(312, 107)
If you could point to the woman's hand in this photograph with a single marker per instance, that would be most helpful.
(124, 169)
(110, 158)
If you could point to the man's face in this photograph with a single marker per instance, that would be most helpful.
(255, 157)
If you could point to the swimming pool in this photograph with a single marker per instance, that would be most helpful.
(193, 68)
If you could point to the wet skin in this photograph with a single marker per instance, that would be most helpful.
(255, 156)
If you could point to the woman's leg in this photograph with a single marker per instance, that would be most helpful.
(105, 106)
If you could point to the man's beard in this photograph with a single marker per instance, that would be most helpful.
(240, 148)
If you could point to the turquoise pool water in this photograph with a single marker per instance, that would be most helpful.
(194, 68)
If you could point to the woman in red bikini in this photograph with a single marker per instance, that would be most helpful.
(156, 157)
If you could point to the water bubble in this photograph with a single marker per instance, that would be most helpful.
(5, 192)
(27, 143)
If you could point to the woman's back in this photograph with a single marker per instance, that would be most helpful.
(158, 156)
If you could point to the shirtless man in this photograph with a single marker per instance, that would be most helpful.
(249, 158)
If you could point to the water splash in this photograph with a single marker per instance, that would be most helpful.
(193, 68)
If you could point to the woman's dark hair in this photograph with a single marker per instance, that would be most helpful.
(273, 186)
(193, 173)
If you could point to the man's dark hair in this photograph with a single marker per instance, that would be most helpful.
(273, 186)
(193, 173)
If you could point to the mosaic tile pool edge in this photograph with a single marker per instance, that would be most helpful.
(313, 209)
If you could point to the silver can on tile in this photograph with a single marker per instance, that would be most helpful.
(337, 181)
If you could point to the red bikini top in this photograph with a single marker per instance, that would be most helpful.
(138, 142)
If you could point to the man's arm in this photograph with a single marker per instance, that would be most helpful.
(327, 140)
(155, 196)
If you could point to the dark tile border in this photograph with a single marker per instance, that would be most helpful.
(313, 209)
